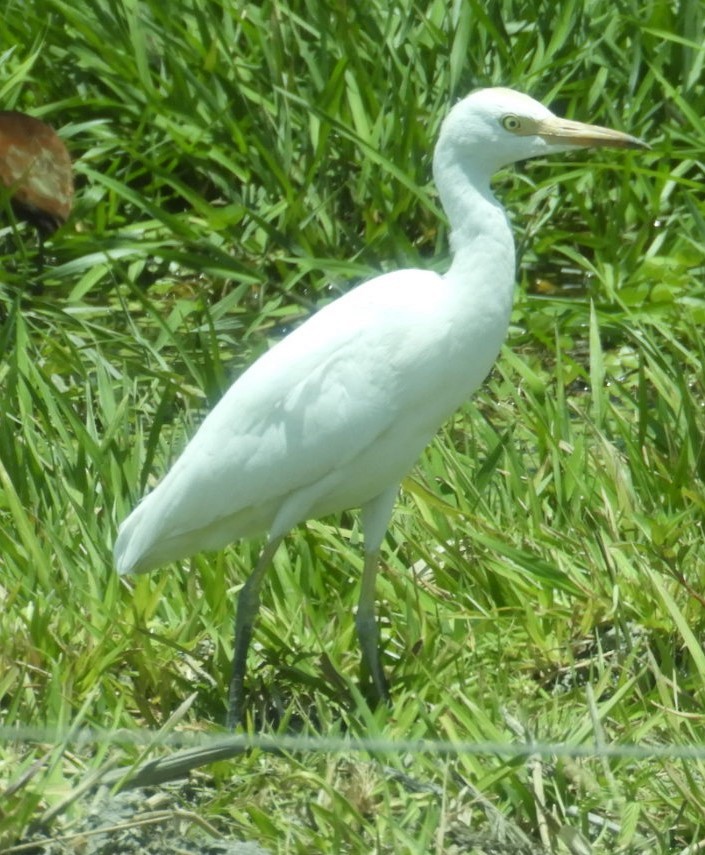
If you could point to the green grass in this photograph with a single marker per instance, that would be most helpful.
(237, 165)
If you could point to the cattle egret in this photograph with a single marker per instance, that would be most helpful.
(35, 170)
(335, 414)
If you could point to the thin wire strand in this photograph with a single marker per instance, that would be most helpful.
(338, 745)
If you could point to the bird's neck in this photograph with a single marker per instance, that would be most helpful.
(470, 205)
(480, 238)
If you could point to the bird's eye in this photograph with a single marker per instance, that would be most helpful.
(511, 123)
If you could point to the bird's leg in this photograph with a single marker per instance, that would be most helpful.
(247, 608)
(367, 627)
(375, 518)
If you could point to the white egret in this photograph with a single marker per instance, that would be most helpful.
(335, 414)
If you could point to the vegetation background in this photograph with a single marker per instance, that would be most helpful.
(237, 165)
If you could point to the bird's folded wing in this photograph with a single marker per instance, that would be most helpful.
(310, 406)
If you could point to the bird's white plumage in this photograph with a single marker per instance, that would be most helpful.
(327, 419)
(335, 414)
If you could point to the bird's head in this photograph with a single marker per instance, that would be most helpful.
(491, 128)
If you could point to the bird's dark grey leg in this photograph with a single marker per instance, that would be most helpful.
(375, 519)
(247, 608)
(367, 628)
